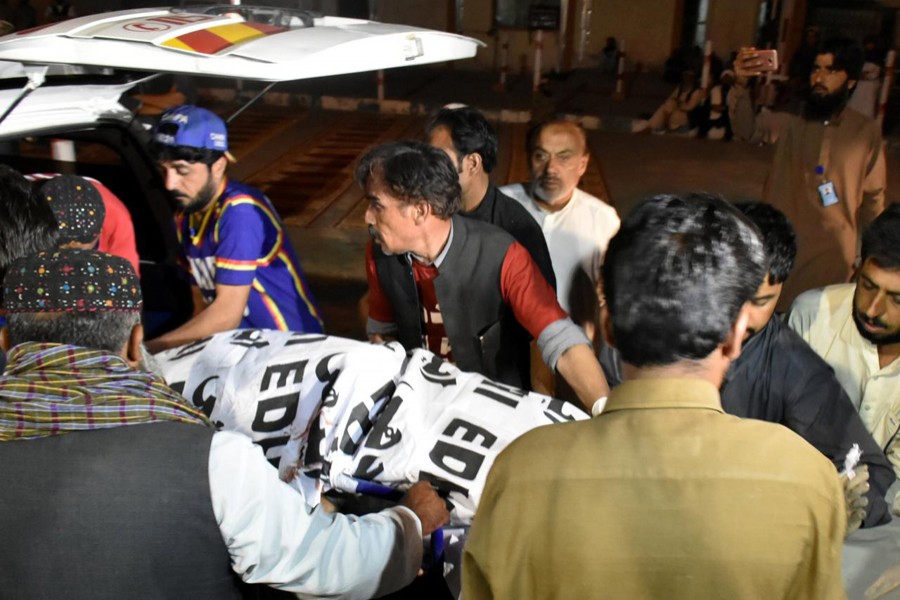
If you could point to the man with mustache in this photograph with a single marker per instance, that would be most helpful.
(577, 226)
(780, 379)
(245, 273)
(855, 327)
(459, 286)
(828, 172)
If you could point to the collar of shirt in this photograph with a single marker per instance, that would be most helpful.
(688, 392)
(440, 257)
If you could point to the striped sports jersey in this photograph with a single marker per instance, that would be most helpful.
(240, 240)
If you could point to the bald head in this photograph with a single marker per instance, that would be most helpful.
(558, 157)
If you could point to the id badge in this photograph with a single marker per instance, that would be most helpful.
(827, 194)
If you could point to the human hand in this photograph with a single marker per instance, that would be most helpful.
(423, 500)
(747, 64)
(855, 489)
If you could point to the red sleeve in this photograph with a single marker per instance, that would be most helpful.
(379, 305)
(117, 234)
(524, 288)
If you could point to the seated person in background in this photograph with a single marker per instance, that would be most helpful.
(855, 327)
(165, 503)
(663, 495)
(779, 378)
(459, 286)
(678, 112)
(117, 231)
(717, 125)
(244, 270)
(27, 226)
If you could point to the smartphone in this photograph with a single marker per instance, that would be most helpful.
(769, 60)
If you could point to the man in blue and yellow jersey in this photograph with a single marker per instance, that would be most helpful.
(244, 271)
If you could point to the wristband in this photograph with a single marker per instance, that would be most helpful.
(598, 406)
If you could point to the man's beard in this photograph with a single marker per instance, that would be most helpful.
(200, 201)
(879, 339)
(540, 192)
(823, 107)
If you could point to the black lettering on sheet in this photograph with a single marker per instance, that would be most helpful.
(459, 461)
(555, 412)
(249, 338)
(369, 468)
(305, 338)
(360, 423)
(432, 372)
(178, 386)
(503, 394)
(287, 404)
(382, 435)
(313, 453)
(470, 432)
(192, 348)
(282, 371)
(208, 403)
(329, 378)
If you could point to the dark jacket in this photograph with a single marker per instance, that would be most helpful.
(499, 209)
(110, 514)
(482, 329)
(779, 378)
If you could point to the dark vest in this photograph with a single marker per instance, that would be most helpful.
(483, 332)
(111, 514)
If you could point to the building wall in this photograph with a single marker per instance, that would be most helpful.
(732, 24)
(648, 27)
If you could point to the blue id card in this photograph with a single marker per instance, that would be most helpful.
(827, 194)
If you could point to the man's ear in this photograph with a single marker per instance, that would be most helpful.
(218, 168)
(421, 210)
(472, 162)
(132, 350)
(731, 348)
(4, 339)
(851, 83)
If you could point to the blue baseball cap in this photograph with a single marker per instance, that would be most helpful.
(192, 126)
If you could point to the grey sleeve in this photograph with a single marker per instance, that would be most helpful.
(374, 327)
(557, 337)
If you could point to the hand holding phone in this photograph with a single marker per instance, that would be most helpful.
(751, 62)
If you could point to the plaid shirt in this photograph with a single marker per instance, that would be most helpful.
(51, 389)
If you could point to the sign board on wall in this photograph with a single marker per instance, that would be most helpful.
(527, 14)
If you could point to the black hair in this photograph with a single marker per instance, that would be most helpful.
(848, 56)
(162, 152)
(778, 238)
(881, 239)
(471, 134)
(98, 330)
(27, 223)
(534, 133)
(414, 171)
(676, 275)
